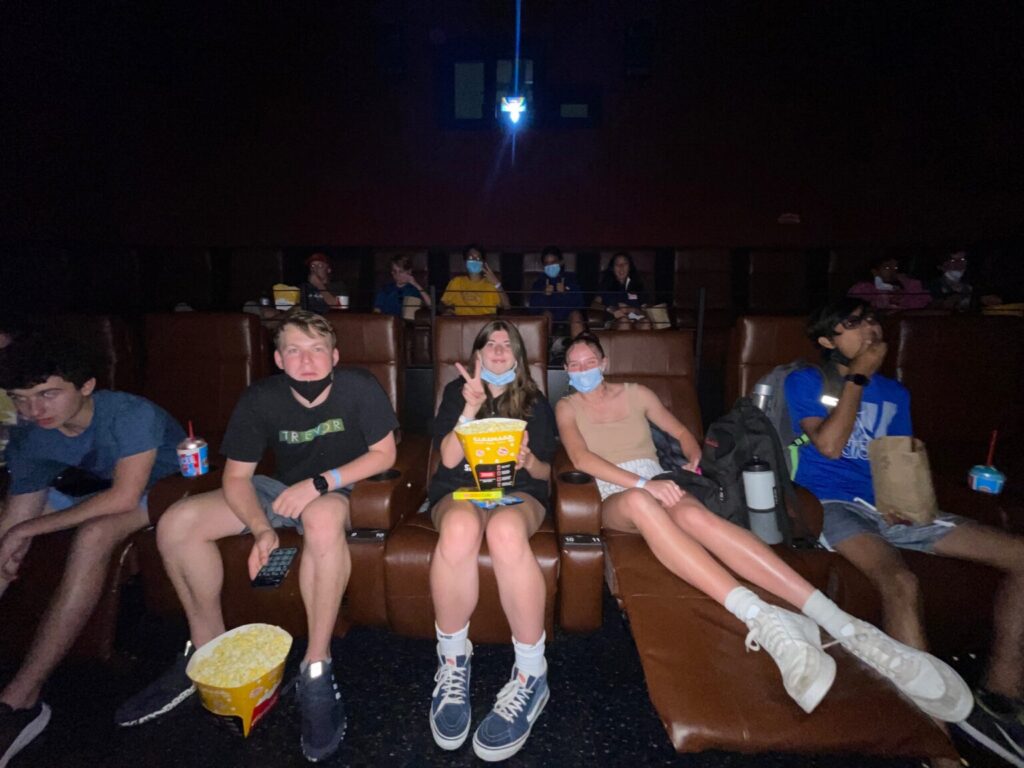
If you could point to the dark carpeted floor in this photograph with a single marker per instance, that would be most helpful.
(599, 713)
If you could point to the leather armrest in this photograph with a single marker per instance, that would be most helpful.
(175, 488)
(577, 500)
(380, 502)
(1004, 511)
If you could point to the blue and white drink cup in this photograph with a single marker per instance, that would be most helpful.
(986, 479)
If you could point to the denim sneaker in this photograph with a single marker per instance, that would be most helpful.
(323, 714)
(794, 643)
(160, 696)
(929, 682)
(449, 706)
(507, 727)
(996, 728)
(18, 727)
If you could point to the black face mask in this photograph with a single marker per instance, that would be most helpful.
(838, 358)
(311, 390)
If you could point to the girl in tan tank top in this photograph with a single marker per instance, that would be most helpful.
(603, 426)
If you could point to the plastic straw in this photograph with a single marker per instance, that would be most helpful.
(191, 434)
(992, 447)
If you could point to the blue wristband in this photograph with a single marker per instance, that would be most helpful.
(641, 482)
(337, 477)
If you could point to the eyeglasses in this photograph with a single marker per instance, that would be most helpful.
(854, 321)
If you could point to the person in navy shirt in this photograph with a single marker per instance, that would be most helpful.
(558, 293)
(123, 444)
(391, 298)
(835, 467)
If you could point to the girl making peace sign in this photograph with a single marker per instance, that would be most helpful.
(499, 384)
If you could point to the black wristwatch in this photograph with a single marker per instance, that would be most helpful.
(320, 483)
(857, 378)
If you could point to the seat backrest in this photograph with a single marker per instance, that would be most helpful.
(661, 361)
(373, 342)
(758, 344)
(113, 339)
(199, 363)
(708, 268)
(777, 282)
(965, 376)
(453, 343)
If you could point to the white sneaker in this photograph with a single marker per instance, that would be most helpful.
(930, 683)
(794, 642)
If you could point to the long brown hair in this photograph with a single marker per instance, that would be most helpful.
(516, 402)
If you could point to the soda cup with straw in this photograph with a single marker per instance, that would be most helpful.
(985, 478)
(193, 455)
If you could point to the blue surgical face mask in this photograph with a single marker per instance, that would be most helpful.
(586, 381)
(499, 379)
(474, 267)
(552, 270)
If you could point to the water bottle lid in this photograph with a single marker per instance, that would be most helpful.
(757, 465)
(763, 389)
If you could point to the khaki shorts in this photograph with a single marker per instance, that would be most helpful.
(531, 510)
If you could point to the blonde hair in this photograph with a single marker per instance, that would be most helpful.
(310, 323)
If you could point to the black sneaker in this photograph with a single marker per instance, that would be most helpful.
(323, 714)
(994, 725)
(18, 727)
(160, 696)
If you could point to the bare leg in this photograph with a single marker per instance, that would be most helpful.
(187, 535)
(77, 594)
(326, 566)
(520, 581)
(637, 510)
(742, 552)
(454, 579)
(902, 608)
(1001, 550)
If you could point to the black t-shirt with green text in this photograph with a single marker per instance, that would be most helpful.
(309, 441)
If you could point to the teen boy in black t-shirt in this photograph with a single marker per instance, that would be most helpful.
(328, 428)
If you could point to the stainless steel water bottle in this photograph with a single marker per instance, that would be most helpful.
(762, 500)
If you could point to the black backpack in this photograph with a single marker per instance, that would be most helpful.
(730, 442)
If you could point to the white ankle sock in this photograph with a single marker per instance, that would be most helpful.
(530, 658)
(743, 604)
(827, 614)
(453, 645)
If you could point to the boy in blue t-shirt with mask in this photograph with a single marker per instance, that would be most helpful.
(124, 443)
(834, 466)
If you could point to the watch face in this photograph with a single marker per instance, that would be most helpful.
(320, 483)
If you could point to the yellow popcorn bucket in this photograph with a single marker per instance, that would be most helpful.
(238, 674)
(285, 296)
(491, 447)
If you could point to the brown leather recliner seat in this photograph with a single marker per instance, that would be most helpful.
(709, 692)
(411, 546)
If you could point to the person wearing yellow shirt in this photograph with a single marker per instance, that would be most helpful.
(478, 292)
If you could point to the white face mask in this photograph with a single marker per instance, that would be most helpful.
(881, 285)
(954, 275)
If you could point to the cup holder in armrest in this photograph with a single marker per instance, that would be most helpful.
(575, 477)
(389, 474)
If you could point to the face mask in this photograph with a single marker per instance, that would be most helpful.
(881, 285)
(499, 379)
(474, 267)
(552, 270)
(311, 390)
(586, 381)
(954, 275)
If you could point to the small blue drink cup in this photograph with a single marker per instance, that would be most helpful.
(986, 479)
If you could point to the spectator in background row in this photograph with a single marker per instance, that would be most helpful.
(889, 289)
(319, 294)
(478, 292)
(622, 294)
(391, 298)
(951, 291)
(558, 292)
